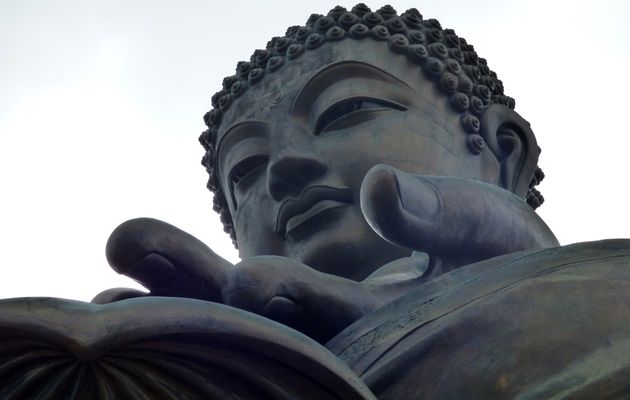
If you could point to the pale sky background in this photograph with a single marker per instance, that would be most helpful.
(101, 104)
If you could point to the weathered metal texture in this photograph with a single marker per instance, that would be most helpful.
(160, 348)
(547, 324)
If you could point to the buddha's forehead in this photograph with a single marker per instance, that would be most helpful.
(274, 95)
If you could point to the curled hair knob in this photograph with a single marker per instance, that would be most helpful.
(335, 33)
(398, 43)
(453, 66)
(456, 54)
(413, 21)
(255, 75)
(302, 34)
(417, 54)
(396, 25)
(313, 41)
(372, 19)
(416, 37)
(387, 12)
(358, 31)
(361, 9)
(294, 51)
(281, 46)
(476, 144)
(471, 123)
(228, 81)
(347, 20)
(243, 68)
(434, 67)
(434, 35)
(225, 101)
(448, 83)
(476, 105)
(460, 102)
(337, 12)
(238, 88)
(212, 118)
(261, 57)
(275, 63)
(324, 23)
(379, 32)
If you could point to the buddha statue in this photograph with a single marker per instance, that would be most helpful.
(381, 191)
(306, 149)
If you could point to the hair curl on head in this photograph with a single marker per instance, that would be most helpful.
(444, 57)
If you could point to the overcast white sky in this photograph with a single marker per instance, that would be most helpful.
(101, 104)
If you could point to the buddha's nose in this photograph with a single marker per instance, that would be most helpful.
(290, 173)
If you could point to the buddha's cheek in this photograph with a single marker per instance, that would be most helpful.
(254, 223)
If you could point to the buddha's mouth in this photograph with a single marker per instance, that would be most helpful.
(313, 201)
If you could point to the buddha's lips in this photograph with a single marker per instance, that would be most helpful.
(310, 197)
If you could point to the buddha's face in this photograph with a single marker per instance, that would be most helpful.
(293, 150)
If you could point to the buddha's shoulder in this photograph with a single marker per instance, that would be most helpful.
(597, 252)
(531, 323)
(492, 279)
(597, 259)
(604, 259)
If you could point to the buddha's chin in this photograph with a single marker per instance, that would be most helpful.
(348, 248)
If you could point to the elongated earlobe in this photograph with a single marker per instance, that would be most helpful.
(512, 140)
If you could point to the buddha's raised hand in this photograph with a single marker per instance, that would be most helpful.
(173, 263)
(458, 220)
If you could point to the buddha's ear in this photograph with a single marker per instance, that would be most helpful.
(512, 140)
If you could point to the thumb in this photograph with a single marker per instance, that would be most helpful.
(451, 217)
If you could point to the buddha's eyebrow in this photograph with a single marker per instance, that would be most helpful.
(243, 129)
(335, 73)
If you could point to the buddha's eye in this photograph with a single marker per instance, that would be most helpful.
(353, 111)
(246, 168)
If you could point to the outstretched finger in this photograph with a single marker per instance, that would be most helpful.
(166, 260)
